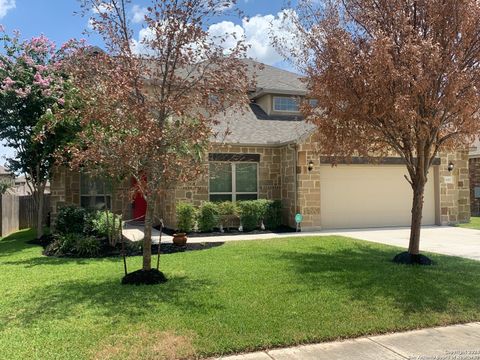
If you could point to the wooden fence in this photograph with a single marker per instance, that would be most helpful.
(19, 212)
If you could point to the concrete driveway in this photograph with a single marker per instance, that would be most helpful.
(446, 240)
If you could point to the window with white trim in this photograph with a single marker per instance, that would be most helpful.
(287, 104)
(233, 181)
(94, 193)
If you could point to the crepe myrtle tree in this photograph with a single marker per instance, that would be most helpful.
(391, 77)
(148, 111)
(32, 87)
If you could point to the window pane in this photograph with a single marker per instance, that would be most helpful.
(285, 104)
(93, 186)
(95, 202)
(220, 198)
(241, 197)
(246, 175)
(220, 177)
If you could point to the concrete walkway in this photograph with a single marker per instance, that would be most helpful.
(445, 240)
(458, 342)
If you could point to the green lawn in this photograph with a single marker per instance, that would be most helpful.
(236, 297)
(473, 224)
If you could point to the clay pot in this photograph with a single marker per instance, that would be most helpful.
(180, 239)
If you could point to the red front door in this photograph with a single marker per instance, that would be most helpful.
(139, 204)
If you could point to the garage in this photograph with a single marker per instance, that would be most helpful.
(360, 196)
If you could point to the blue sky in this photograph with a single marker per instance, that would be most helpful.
(57, 20)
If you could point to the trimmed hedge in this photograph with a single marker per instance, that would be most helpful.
(186, 216)
(208, 217)
(211, 215)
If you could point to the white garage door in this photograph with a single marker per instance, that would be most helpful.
(355, 196)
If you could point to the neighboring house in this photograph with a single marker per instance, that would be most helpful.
(6, 175)
(21, 187)
(270, 152)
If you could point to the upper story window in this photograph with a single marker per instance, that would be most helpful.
(288, 104)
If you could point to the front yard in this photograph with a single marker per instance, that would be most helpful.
(473, 224)
(236, 297)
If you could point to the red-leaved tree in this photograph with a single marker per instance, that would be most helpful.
(391, 76)
(148, 105)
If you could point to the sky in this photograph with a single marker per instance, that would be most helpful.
(57, 19)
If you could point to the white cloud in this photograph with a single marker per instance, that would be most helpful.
(257, 33)
(138, 14)
(138, 46)
(102, 8)
(6, 6)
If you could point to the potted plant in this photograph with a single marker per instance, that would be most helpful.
(185, 222)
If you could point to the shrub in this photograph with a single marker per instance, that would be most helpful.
(104, 228)
(72, 219)
(273, 215)
(207, 216)
(74, 244)
(185, 217)
(251, 213)
(87, 246)
(227, 212)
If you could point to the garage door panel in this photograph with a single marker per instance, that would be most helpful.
(354, 196)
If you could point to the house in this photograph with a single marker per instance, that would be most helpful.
(270, 152)
(21, 187)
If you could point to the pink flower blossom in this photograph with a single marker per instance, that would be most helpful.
(23, 93)
(41, 81)
(61, 102)
(7, 84)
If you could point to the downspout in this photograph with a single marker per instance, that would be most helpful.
(294, 147)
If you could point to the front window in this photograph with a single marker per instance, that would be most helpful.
(288, 104)
(94, 193)
(233, 181)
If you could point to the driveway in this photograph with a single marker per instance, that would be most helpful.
(446, 240)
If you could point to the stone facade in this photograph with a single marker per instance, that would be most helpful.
(454, 192)
(65, 190)
(474, 175)
(284, 175)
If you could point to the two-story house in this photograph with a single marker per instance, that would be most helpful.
(270, 152)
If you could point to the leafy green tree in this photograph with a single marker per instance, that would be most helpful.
(33, 88)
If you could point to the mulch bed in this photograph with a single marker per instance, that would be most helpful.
(410, 259)
(231, 231)
(142, 277)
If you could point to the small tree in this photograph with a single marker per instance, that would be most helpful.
(149, 114)
(391, 76)
(32, 87)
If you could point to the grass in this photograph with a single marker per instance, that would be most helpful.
(236, 297)
(473, 224)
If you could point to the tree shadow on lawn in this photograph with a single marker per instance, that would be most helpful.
(52, 260)
(366, 273)
(111, 299)
(16, 242)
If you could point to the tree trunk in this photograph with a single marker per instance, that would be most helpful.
(40, 200)
(147, 240)
(417, 208)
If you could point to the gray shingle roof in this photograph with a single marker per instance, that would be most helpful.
(253, 126)
(270, 79)
(245, 128)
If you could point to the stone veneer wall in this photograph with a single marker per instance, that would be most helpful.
(455, 194)
(65, 190)
(270, 180)
(474, 177)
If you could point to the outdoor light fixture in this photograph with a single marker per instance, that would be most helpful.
(450, 166)
(310, 165)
